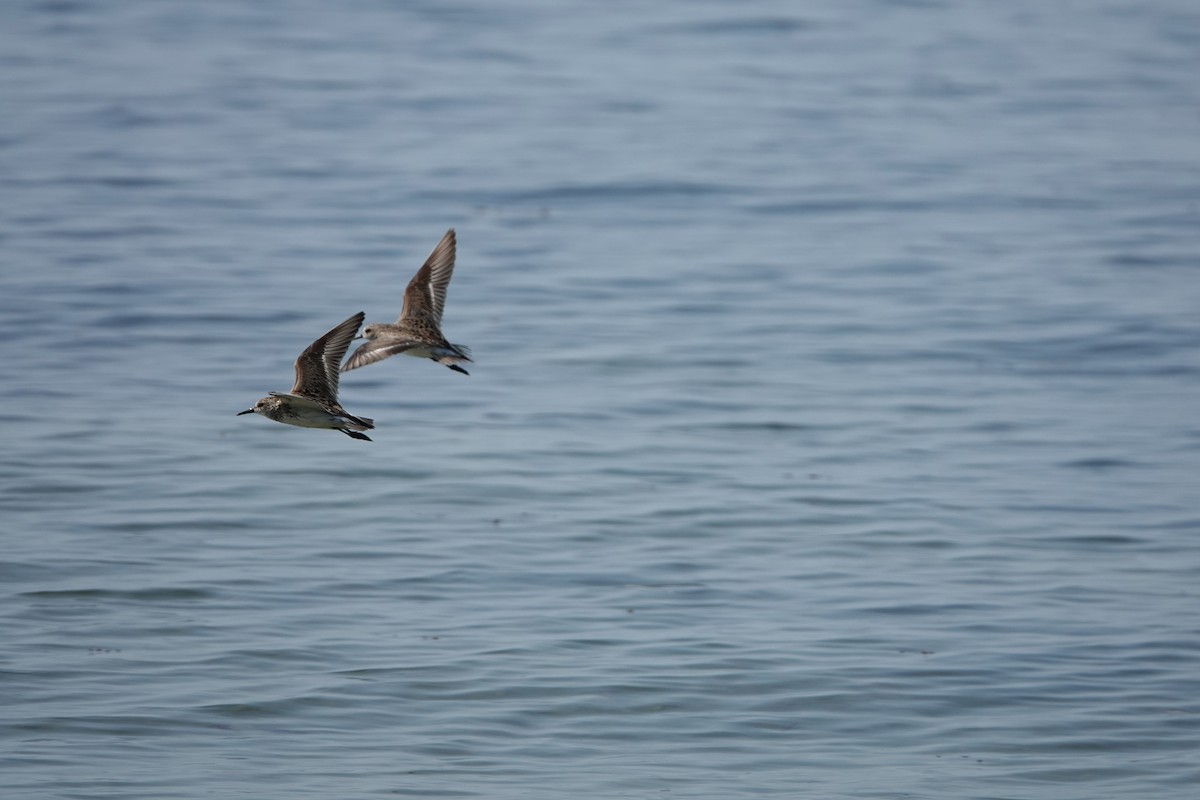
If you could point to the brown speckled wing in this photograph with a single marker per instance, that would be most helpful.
(318, 367)
(426, 293)
(377, 350)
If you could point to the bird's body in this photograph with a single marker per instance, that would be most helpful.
(418, 330)
(304, 412)
(312, 402)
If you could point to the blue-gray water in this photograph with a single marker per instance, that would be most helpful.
(832, 433)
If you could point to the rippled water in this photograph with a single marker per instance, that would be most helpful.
(832, 432)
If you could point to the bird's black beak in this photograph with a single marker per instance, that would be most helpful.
(247, 411)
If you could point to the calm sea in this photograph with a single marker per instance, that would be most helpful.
(833, 428)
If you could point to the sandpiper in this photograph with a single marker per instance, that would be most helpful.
(313, 403)
(418, 330)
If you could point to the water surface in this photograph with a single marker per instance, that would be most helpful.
(832, 431)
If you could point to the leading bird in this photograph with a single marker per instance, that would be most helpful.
(313, 402)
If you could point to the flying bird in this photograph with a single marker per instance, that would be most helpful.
(418, 330)
(313, 402)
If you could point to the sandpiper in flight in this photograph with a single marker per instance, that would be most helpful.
(418, 331)
(313, 403)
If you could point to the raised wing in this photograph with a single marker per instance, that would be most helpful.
(318, 367)
(426, 293)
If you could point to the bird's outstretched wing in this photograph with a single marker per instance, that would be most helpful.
(318, 367)
(425, 296)
(377, 350)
